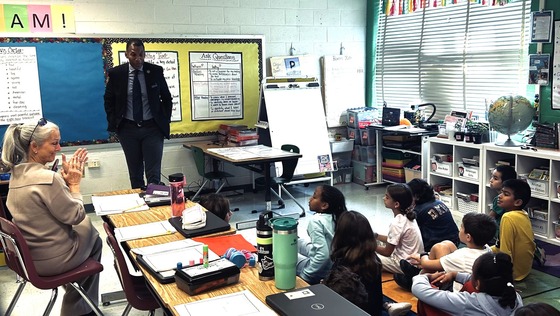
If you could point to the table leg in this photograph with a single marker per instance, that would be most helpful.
(266, 167)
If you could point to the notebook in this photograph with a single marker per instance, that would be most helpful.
(214, 224)
(312, 300)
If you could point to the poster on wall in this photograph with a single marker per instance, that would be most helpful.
(169, 60)
(539, 69)
(216, 85)
(19, 85)
(294, 66)
(541, 26)
(556, 68)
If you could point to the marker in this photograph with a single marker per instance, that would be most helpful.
(205, 255)
(191, 262)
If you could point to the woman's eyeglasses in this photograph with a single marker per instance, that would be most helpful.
(42, 122)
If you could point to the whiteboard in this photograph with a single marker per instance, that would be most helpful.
(343, 87)
(296, 116)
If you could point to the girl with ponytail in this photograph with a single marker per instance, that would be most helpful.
(492, 279)
(404, 237)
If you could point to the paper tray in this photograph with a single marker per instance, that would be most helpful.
(219, 273)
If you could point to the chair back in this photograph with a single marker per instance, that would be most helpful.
(289, 166)
(199, 160)
(18, 255)
(135, 288)
(4, 213)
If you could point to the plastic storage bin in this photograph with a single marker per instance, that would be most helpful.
(363, 172)
(367, 136)
(343, 175)
(368, 154)
(362, 117)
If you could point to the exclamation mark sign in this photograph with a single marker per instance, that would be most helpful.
(63, 21)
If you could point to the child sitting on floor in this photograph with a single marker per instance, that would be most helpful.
(404, 237)
(313, 253)
(500, 174)
(353, 247)
(491, 277)
(476, 231)
(516, 234)
(433, 217)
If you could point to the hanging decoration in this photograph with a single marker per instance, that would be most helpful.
(401, 7)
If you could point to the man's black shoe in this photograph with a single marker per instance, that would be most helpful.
(408, 269)
(403, 281)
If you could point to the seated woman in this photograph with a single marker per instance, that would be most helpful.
(48, 207)
(433, 217)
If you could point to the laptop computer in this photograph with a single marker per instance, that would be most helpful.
(214, 224)
(316, 299)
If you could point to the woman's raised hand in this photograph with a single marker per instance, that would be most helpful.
(72, 170)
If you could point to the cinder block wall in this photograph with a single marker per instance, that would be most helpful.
(315, 27)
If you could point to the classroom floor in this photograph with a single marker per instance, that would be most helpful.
(538, 287)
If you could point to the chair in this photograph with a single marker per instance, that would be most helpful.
(18, 259)
(288, 169)
(135, 289)
(4, 213)
(207, 176)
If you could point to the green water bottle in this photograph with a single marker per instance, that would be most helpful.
(284, 251)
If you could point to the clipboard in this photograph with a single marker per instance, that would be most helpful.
(168, 277)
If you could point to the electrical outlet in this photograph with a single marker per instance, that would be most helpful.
(94, 163)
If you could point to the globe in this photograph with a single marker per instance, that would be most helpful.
(510, 114)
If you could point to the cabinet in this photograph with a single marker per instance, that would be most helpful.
(464, 181)
(544, 206)
(416, 137)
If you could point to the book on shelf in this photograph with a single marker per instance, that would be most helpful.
(538, 174)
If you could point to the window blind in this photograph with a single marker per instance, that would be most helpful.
(459, 57)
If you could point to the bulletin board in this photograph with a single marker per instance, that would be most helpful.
(72, 74)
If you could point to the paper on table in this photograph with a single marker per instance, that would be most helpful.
(242, 303)
(144, 231)
(115, 204)
(164, 261)
(174, 245)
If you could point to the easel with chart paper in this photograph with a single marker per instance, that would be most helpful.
(291, 112)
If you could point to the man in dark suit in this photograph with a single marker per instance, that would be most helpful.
(138, 106)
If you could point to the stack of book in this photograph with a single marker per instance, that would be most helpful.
(243, 138)
(546, 135)
(224, 131)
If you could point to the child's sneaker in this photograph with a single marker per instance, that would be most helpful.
(540, 256)
(398, 309)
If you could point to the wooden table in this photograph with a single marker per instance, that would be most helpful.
(256, 164)
(169, 294)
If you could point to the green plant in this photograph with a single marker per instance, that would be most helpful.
(476, 127)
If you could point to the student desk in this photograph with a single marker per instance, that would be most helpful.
(256, 164)
(169, 294)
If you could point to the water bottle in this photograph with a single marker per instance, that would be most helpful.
(177, 194)
(265, 264)
(284, 251)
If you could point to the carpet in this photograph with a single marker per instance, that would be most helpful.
(552, 264)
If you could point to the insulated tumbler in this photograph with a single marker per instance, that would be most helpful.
(177, 194)
(284, 251)
(265, 263)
